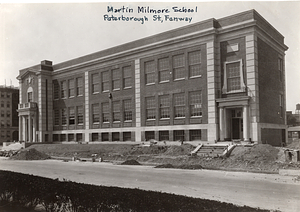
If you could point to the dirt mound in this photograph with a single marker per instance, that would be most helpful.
(145, 150)
(168, 165)
(130, 162)
(257, 152)
(184, 149)
(30, 154)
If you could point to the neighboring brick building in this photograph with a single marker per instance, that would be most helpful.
(214, 80)
(9, 121)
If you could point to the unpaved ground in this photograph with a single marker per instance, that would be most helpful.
(259, 158)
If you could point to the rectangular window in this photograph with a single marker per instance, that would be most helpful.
(2, 113)
(116, 111)
(127, 77)
(150, 72)
(95, 113)
(63, 116)
(105, 81)
(8, 123)
(179, 135)
(196, 103)
(127, 110)
(8, 114)
(194, 63)
(29, 97)
(71, 88)
(116, 79)
(150, 108)
(95, 83)
(79, 86)
(179, 105)
(79, 137)
(55, 90)
(126, 136)
(95, 136)
(163, 135)
(8, 104)
(178, 66)
(280, 68)
(63, 85)
(63, 137)
(71, 116)
(104, 136)
(71, 137)
(2, 123)
(115, 136)
(164, 107)
(195, 135)
(79, 114)
(149, 135)
(56, 117)
(105, 112)
(281, 103)
(55, 137)
(2, 103)
(164, 69)
(233, 76)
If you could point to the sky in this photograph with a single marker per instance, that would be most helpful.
(32, 32)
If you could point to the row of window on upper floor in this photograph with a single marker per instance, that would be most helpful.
(175, 66)
(118, 111)
(3, 113)
(75, 115)
(8, 124)
(7, 104)
(5, 94)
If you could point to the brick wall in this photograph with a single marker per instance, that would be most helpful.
(270, 85)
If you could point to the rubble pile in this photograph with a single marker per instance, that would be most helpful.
(30, 154)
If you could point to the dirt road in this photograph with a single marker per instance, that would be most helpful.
(266, 191)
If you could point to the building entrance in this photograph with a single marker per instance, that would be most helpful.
(236, 124)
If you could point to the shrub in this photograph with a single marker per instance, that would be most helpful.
(21, 192)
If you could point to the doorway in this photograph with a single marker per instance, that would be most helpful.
(236, 124)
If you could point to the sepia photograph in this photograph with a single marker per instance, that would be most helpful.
(149, 106)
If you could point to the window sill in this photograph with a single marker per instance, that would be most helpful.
(194, 117)
(179, 79)
(179, 118)
(128, 121)
(162, 119)
(96, 122)
(150, 119)
(106, 91)
(80, 95)
(152, 83)
(71, 97)
(95, 93)
(166, 81)
(117, 89)
(127, 87)
(198, 76)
